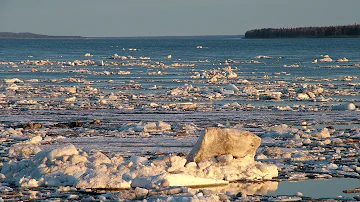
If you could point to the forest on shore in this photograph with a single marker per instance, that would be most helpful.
(306, 32)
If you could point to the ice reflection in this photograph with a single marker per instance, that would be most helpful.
(248, 188)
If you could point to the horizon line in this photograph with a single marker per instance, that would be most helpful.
(141, 36)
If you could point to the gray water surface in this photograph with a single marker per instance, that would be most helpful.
(318, 188)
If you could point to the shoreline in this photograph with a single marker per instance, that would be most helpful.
(346, 31)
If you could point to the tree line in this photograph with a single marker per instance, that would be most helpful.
(306, 32)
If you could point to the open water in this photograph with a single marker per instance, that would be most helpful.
(283, 52)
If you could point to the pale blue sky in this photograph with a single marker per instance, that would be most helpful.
(169, 17)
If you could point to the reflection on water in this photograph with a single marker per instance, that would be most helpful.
(332, 188)
(318, 188)
(247, 188)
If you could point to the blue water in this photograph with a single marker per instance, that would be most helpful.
(215, 48)
(183, 50)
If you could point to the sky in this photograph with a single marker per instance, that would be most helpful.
(123, 18)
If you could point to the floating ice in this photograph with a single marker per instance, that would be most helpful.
(68, 166)
(342, 60)
(345, 106)
(326, 58)
(216, 141)
(14, 80)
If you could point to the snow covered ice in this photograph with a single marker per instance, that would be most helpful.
(68, 166)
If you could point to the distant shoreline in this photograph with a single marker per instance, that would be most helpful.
(54, 38)
(342, 31)
(28, 35)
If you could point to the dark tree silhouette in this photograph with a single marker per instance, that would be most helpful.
(306, 32)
